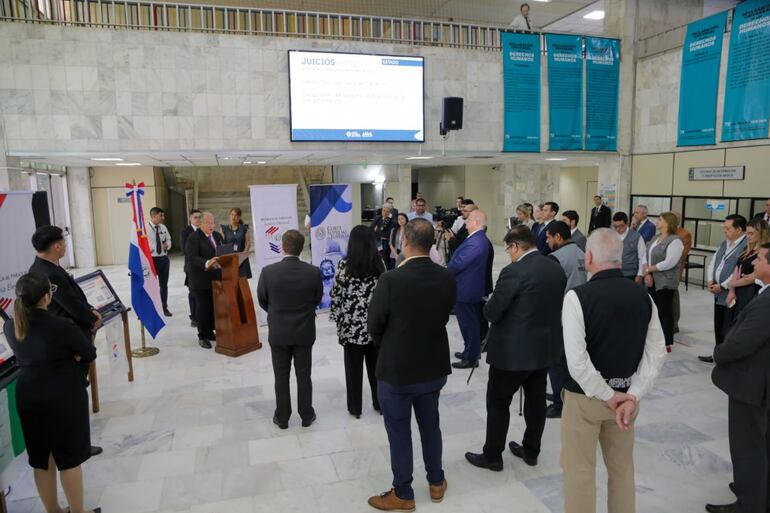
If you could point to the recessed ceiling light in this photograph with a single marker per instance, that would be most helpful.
(594, 15)
(261, 162)
(544, 1)
(227, 158)
(556, 159)
(107, 159)
(247, 162)
(128, 164)
(419, 158)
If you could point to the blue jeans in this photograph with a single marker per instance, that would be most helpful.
(397, 402)
(470, 326)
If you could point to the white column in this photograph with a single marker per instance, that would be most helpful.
(81, 216)
(403, 198)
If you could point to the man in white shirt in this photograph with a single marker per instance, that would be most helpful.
(634, 249)
(523, 22)
(614, 351)
(160, 244)
(419, 211)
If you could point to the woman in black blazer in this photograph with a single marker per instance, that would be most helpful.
(51, 395)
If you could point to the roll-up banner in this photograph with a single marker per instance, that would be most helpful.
(699, 85)
(17, 223)
(521, 82)
(331, 219)
(747, 89)
(565, 92)
(273, 212)
(602, 86)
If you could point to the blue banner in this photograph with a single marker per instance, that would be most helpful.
(521, 82)
(747, 89)
(602, 86)
(331, 219)
(699, 85)
(565, 92)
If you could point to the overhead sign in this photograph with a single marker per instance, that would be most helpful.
(715, 205)
(717, 173)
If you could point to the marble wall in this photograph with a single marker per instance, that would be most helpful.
(89, 89)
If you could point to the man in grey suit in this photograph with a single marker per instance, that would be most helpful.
(743, 372)
(720, 271)
(524, 340)
(289, 292)
(572, 219)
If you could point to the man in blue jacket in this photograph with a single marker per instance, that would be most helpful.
(469, 263)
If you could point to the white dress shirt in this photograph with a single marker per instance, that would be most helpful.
(459, 223)
(711, 272)
(579, 362)
(522, 23)
(414, 215)
(673, 254)
(165, 238)
(641, 252)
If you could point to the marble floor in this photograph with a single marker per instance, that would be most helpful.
(193, 434)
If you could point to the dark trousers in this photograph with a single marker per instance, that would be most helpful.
(385, 254)
(303, 359)
(501, 387)
(749, 446)
(355, 356)
(204, 313)
(558, 374)
(397, 402)
(483, 323)
(191, 301)
(162, 266)
(720, 323)
(664, 301)
(468, 318)
(677, 309)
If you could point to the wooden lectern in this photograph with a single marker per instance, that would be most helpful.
(234, 315)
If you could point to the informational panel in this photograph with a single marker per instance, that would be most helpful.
(521, 82)
(565, 92)
(747, 90)
(273, 212)
(17, 224)
(356, 97)
(699, 85)
(602, 86)
(331, 219)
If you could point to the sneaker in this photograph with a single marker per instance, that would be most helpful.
(389, 501)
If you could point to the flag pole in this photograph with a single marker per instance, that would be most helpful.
(144, 351)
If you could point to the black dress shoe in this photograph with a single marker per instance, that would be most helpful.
(460, 355)
(307, 423)
(519, 452)
(465, 364)
(731, 486)
(706, 359)
(193, 323)
(282, 425)
(96, 450)
(552, 412)
(481, 461)
(205, 344)
(722, 508)
(167, 313)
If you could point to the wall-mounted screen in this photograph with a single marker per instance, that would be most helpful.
(356, 97)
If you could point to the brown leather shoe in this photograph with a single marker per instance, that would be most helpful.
(437, 491)
(389, 501)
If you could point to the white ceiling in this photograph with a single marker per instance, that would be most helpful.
(575, 23)
(303, 158)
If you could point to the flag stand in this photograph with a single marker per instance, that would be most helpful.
(144, 351)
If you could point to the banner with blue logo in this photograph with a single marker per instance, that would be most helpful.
(747, 88)
(602, 90)
(699, 85)
(331, 219)
(565, 92)
(521, 91)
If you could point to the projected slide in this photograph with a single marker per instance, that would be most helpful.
(355, 97)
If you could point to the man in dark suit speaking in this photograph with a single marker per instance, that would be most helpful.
(743, 372)
(289, 292)
(202, 266)
(525, 339)
(407, 320)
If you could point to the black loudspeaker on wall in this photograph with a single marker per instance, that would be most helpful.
(451, 114)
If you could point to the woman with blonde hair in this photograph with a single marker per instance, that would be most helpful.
(661, 273)
(742, 286)
(524, 215)
(51, 398)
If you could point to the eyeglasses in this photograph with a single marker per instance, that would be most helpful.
(54, 288)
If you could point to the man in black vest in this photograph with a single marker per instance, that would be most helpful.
(524, 340)
(68, 298)
(614, 351)
(413, 362)
(743, 372)
(289, 291)
(202, 266)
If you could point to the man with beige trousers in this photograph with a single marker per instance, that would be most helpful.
(614, 347)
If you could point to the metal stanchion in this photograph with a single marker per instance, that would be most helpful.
(144, 351)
